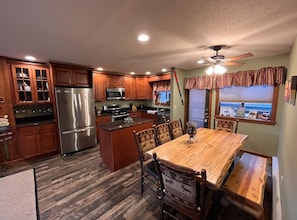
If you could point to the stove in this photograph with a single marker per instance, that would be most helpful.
(116, 112)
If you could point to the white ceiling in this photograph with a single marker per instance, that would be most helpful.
(104, 32)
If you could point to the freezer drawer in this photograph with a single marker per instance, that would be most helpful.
(77, 139)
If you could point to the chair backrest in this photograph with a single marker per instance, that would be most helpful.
(182, 188)
(145, 141)
(228, 125)
(162, 133)
(176, 128)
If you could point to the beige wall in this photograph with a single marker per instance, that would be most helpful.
(288, 149)
(262, 138)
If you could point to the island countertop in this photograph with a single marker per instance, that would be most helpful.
(122, 124)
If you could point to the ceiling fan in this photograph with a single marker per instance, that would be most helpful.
(217, 61)
(220, 59)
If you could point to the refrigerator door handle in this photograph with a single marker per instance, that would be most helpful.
(78, 130)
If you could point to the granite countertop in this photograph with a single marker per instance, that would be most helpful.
(25, 124)
(122, 124)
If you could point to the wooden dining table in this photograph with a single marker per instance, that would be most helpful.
(211, 150)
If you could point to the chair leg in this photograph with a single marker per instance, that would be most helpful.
(142, 182)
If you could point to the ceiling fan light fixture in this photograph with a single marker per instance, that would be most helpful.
(209, 70)
(216, 69)
(200, 61)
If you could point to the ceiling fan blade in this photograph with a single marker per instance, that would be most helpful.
(232, 63)
(239, 57)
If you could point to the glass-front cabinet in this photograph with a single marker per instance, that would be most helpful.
(31, 84)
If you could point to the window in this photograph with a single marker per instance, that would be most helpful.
(162, 98)
(253, 104)
(161, 91)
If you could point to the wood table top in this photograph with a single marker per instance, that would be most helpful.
(211, 150)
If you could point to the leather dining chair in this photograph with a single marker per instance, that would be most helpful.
(229, 125)
(145, 141)
(162, 133)
(176, 129)
(182, 189)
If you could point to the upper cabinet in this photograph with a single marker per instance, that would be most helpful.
(99, 86)
(143, 88)
(31, 83)
(130, 87)
(72, 76)
(136, 88)
(115, 81)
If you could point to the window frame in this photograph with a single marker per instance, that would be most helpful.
(272, 120)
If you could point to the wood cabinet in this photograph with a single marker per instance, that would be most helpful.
(136, 114)
(101, 120)
(136, 88)
(130, 86)
(143, 88)
(37, 140)
(118, 147)
(99, 87)
(31, 83)
(165, 76)
(150, 116)
(114, 81)
(72, 77)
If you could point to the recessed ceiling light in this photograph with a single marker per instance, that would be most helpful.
(164, 70)
(143, 37)
(100, 68)
(147, 73)
(31, 58)
(132, 73)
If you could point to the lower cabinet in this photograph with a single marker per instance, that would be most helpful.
(101, 120)
(36, 140)
(151, 116)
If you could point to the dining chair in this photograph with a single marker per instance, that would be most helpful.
(229, 125)
(162, 133)
(183, 190)
(145, 141)
(176, 128)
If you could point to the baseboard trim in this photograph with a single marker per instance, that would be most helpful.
(276, 200)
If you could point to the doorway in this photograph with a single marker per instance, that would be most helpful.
(199, 107)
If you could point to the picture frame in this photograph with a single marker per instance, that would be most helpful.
(252, 114)
(227, 111)
(240, 112)
(293, 87)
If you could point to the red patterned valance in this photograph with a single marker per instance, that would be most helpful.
(264, 76)
(161, 86)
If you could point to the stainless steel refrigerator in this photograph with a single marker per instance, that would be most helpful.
(76, 118)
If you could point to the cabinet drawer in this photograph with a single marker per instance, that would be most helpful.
(29, 129)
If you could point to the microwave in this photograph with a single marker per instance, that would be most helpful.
(115, 93)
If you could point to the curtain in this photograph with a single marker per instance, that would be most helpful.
(265, 76)
(161, 86)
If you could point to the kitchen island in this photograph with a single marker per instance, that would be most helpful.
(117, 144)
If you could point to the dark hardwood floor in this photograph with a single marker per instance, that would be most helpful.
(79, 186)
